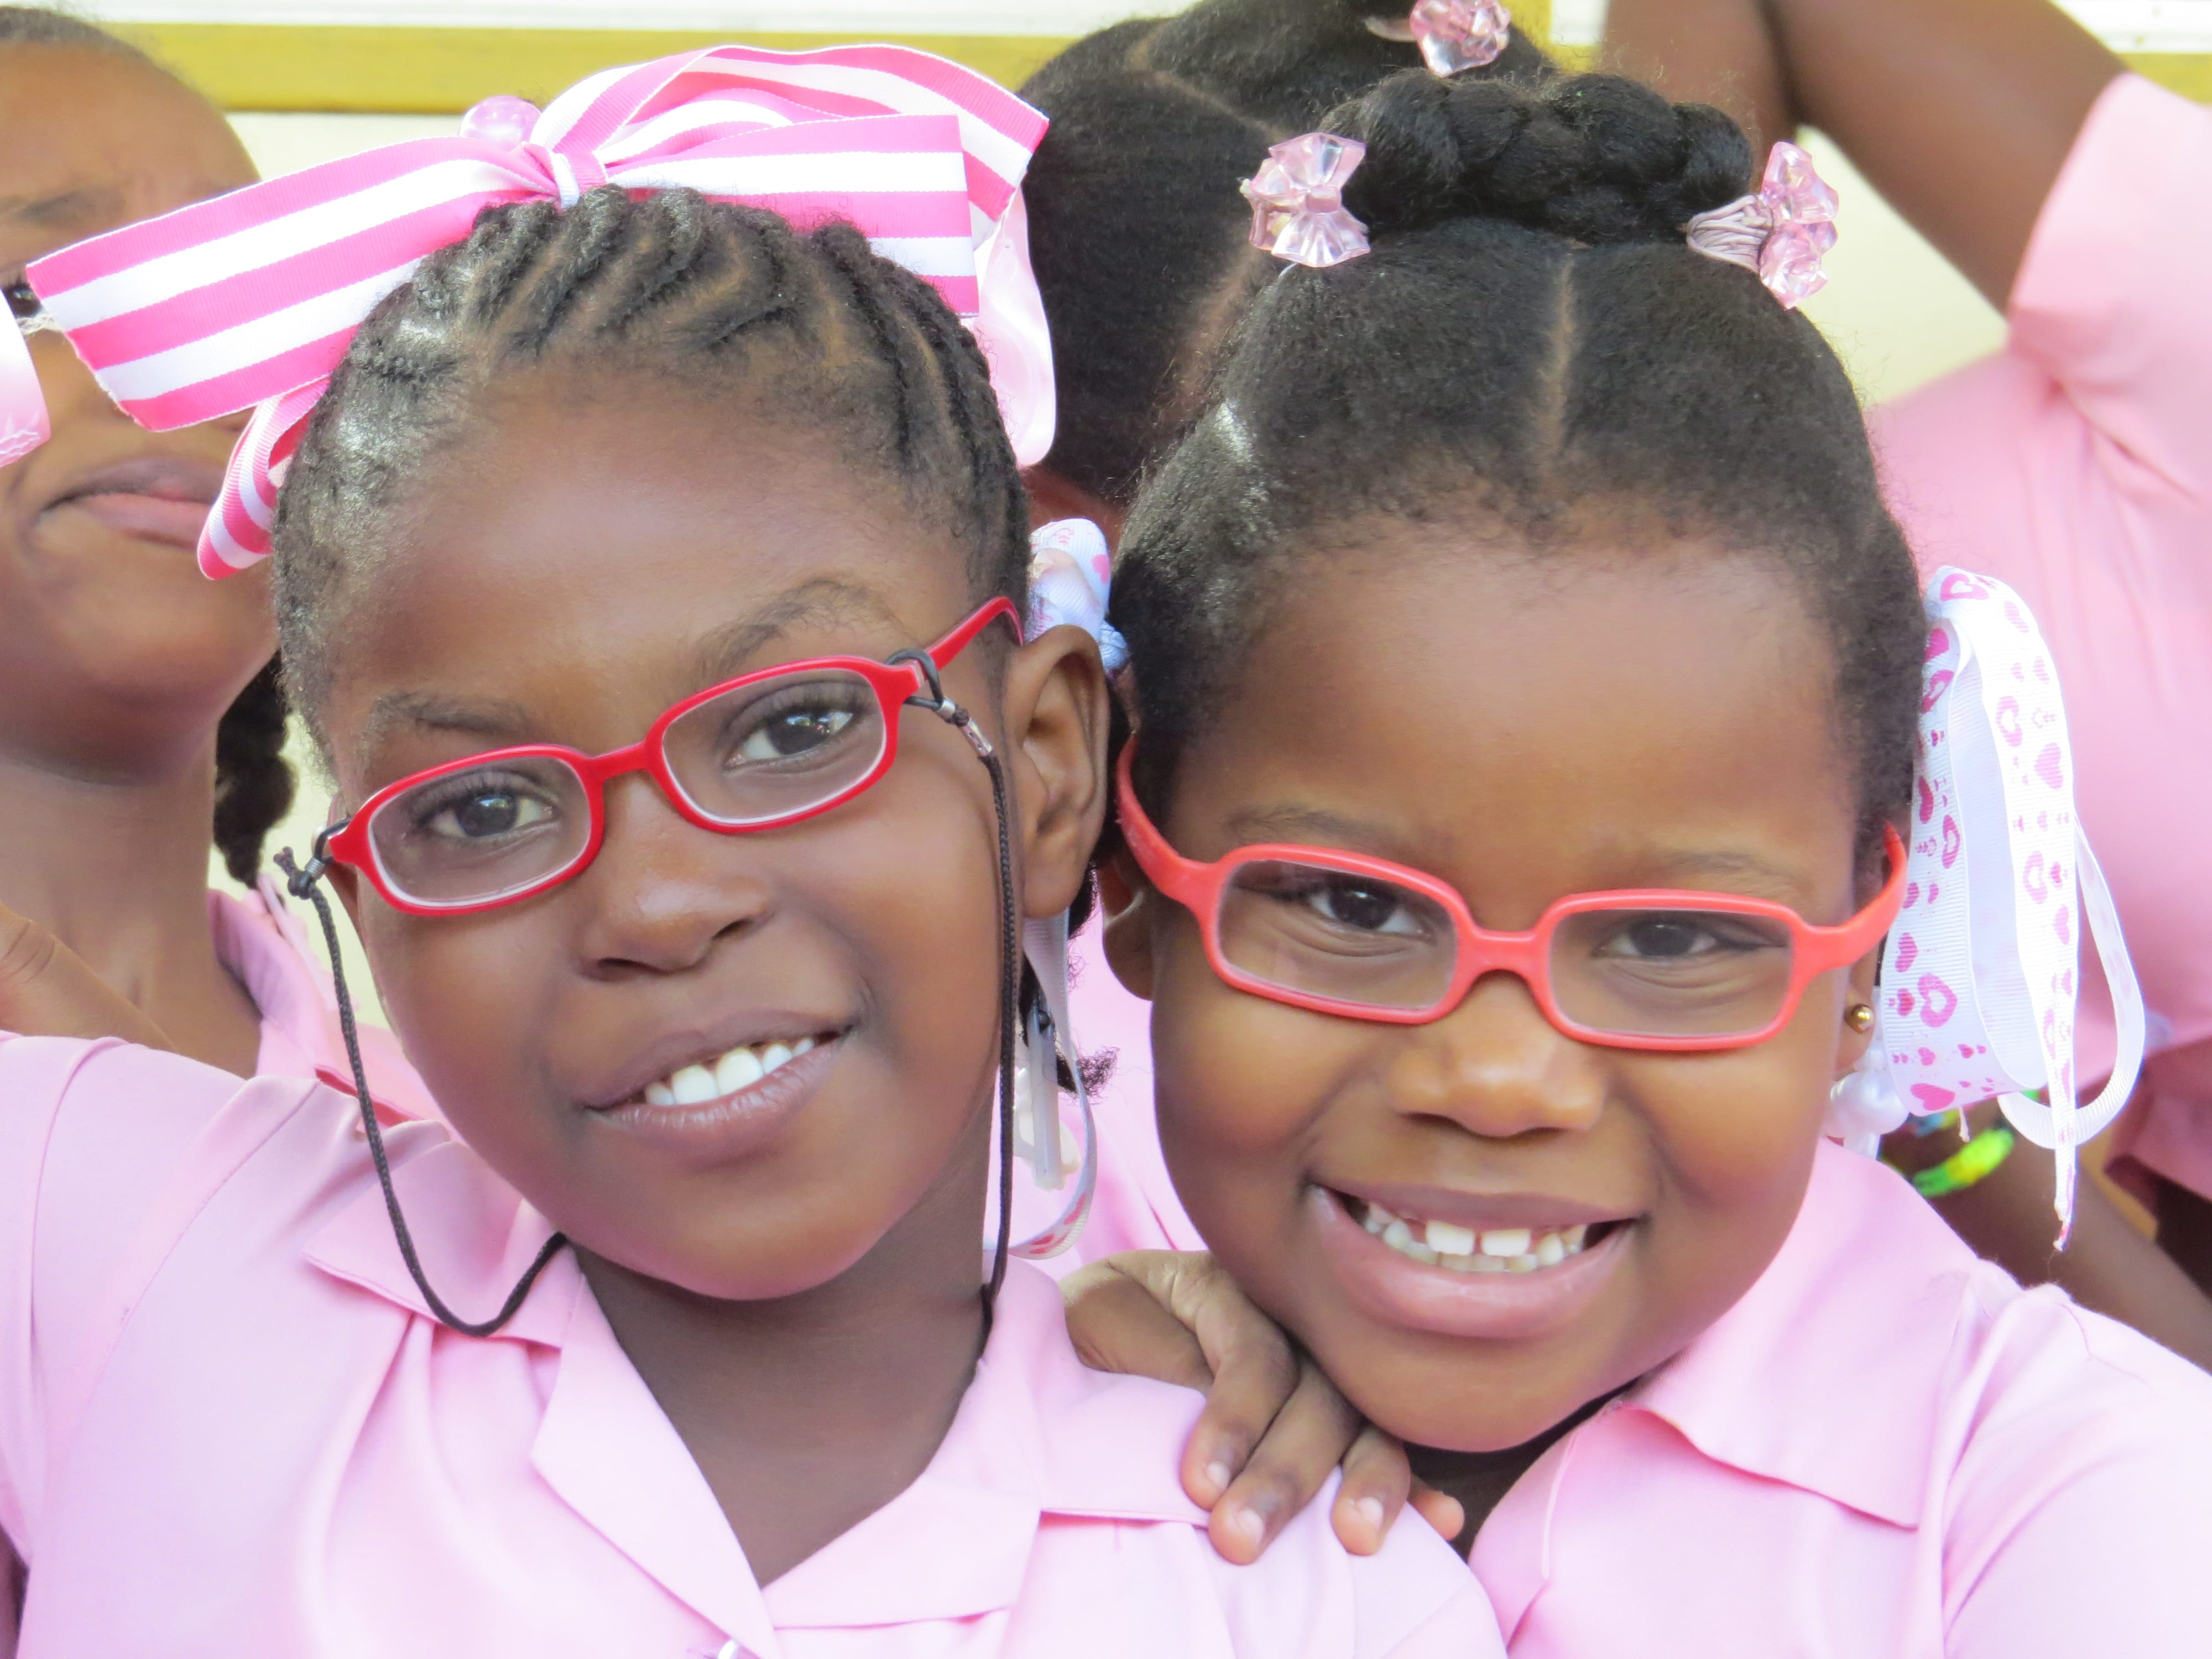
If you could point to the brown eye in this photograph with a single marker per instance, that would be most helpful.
(22, 304)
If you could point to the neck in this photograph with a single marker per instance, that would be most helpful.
(116, 869)
(809, 1412)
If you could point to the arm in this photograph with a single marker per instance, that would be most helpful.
(1274, 1429)
(2107, 1266)
(1961, 113)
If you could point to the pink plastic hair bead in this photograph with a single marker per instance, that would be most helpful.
(1781, 233)
(1460, 34)
(1297, 201)
(500, 120)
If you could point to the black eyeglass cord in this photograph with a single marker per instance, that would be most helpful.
(307, 884)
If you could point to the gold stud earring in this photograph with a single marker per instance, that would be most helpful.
(1860, 1017)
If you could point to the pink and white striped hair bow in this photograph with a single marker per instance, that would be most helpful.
(22, 405)
(1980, 972)
(252, 298)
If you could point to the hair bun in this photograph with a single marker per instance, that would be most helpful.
(1595, 158)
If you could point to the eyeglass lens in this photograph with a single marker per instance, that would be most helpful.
(1626, 972)
(757, 755)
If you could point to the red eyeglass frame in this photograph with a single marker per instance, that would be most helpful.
(897, 681)
(1814, 950)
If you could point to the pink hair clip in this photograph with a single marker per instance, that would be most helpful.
(1297, 201)
(1453, 35)
(1780, 233)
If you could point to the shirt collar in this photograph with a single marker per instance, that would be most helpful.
(1037, 1433)
(1821, 1377)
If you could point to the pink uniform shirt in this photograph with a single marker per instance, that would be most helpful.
(230, 1427)
(2077, 466)
(1886, 1448)
(260, 940)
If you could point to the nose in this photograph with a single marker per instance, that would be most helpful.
(663, 893)
(1498, 1068)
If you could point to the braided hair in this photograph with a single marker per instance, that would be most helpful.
(726, 300)
(1139, 237)
(39, 25)
(1531, 343)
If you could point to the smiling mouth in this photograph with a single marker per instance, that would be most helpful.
(728, 1073)
(1468, 1250)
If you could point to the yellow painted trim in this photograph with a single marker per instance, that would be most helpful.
(249, 66)
(431, 71)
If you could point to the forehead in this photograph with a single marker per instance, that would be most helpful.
(591, 559)
(92, 139)
(1560, 710)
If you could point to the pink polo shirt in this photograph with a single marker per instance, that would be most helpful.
(228, 1426)
(261, 941)
(2076, 465)
(1887, 1448)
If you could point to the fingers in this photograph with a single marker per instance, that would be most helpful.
(1377, 1479)
(1117, 1324)
(47, 990)
(1442, 1511)
(1289, 1464)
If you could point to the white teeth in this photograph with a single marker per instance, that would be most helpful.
(737, 1069)
(1463, 1249)
(1450, 1238)
(740, 1068)
(693, 1086)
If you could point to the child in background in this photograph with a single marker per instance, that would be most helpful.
(623, 462)
(138, 702)
(1526, 681)
(2075, 465)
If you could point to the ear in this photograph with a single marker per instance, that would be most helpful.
(1129, 903)
(1858, 993)
(345, 882)
(1055, 725)
(1052, 496)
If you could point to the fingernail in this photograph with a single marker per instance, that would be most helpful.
(1370, 1510)
(1247, 1524)
(1218, 1475)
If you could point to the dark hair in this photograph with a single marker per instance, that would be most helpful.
(1531, 341)
(253, 782)
(41, 25)
(1140, 238)
(717, 298)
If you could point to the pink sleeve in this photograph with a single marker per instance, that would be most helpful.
(89, 1135)
(1466, 1627)
(2110, 299)
(2093, 1540)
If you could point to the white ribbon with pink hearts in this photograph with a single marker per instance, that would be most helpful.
(22, 405)
(1979, 975)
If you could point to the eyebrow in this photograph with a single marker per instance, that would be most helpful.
(1309, 826)
(68, 208)
(722, 655)
(730, 650)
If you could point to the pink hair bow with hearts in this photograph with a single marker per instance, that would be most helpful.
(1780, 233)
(250, 300)
(1297, 201)
(1980, 973)
(22, 405)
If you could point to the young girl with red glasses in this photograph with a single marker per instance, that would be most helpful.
(1533, 704)
(649, 572)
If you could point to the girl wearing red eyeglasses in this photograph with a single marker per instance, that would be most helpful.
(1525, 686)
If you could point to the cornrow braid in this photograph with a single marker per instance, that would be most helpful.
(253, 782)
(1139, 236)
(723, 300)
(1530, 345)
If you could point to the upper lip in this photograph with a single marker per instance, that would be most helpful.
(1480, 1211)
(678, 1049)
(167, 478)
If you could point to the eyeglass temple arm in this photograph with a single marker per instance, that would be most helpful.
(1848, 941)
(962, 637)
